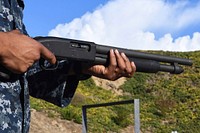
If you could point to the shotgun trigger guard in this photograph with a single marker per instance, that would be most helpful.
(45, 65)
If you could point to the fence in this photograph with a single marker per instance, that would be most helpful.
(136, 112)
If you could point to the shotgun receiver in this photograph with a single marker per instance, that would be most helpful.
(89, 52)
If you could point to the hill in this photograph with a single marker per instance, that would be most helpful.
(168, 102)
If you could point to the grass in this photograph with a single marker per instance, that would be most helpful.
(167, 102)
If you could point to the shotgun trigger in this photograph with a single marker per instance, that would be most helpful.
(45, 65)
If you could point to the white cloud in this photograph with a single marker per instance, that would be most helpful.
(134, 23)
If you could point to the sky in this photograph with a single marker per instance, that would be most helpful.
(169, 25)
(41, 16)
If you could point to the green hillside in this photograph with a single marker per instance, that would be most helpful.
(167, 102)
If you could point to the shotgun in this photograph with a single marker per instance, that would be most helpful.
(91, 53)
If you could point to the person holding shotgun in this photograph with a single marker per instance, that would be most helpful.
(19, 55)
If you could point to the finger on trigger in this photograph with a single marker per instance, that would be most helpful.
(48, 55)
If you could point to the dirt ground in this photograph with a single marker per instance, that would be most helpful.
(41, 123)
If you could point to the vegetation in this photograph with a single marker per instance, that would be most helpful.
(167, 102)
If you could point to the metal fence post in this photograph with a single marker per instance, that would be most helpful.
(137, 115)
(84, 120)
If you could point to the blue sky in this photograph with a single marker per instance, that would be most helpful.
(172, 25)
(40, 16)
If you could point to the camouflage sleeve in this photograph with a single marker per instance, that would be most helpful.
(54, 86)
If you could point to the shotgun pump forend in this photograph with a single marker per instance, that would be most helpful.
(91, 53)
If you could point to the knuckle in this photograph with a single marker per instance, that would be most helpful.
(51, 56)
(123, 67)
(113, 65)
(111, 77)
(37, 56)
(129, 70)
(23, 69)
(37, 46)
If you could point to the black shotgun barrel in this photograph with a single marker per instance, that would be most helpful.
(145, 62)
(141, 55)
(144, 65)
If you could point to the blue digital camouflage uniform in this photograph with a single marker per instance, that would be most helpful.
(53, 86)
